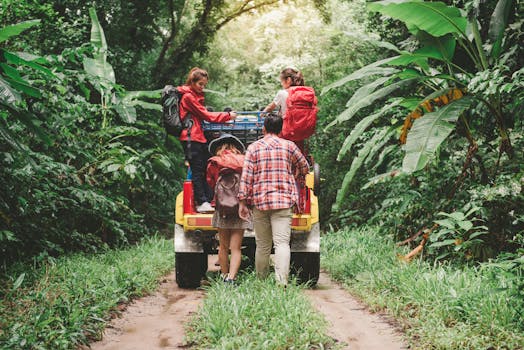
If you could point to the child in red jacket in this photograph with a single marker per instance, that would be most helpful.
(228, 155)
(192, 104)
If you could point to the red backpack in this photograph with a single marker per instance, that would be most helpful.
(301, 113)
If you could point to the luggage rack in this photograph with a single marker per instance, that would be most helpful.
(247, 127)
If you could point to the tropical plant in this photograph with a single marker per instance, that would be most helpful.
(457, 234)
(440, 89)
(102, 76)
(82, 183)
(13, 87)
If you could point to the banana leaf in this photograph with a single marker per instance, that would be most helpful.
(126, 112)
(98, 66)
(357, 162)
(428, 133)
(15, 29)
(361, 127)
(435, 18)
(23, 87)
(497, 25)
(366, 71)
(131, 95)
(147, 105)
(445, 45)
(367, 95)
(19, 61)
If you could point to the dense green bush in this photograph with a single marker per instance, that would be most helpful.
(402, 189)
(75, 174)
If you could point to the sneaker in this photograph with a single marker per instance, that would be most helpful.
(205, 207)
(230, 281)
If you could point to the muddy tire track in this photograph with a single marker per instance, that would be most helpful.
(156, 321)
(350, 322)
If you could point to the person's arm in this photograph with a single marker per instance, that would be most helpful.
(270, 107)
(246, 180)
(277, 102)
(200, 111)
(246, 188)
(299, 162)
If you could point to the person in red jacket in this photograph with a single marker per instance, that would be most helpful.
(228, 156)
(193, 139)
(289, 77)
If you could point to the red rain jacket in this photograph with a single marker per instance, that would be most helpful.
(228, 160)
(193, 103)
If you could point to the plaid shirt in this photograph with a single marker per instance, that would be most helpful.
(272, 166)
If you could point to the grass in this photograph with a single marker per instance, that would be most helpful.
(441, 306)
(68, 301)
(256, 314)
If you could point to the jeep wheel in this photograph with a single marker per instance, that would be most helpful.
(190, 268)
(306, 267)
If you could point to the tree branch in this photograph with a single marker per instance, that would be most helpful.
(243, 9)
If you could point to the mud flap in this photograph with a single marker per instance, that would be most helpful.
(187, 242)
(306, 241)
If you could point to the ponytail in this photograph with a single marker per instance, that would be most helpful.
(297, 79)
(195, 75)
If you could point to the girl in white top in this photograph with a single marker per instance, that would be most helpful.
(288, 77)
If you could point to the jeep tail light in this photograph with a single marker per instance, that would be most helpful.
(199, 221)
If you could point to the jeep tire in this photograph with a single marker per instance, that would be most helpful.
(306, 267)
(190, 268)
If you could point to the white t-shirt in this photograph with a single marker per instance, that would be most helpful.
(280, 101)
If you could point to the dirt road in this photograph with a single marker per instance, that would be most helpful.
(153, 322)
(157, 321)
(350, 322)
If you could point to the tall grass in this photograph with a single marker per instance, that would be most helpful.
(257, 314)
(441, 306)
(67, 301)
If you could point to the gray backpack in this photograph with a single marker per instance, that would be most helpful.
(173, 123)
(226, 192)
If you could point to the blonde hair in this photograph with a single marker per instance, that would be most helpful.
(227, 147)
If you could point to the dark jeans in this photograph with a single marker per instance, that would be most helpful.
(198, 162)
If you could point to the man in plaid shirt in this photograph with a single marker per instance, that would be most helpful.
(272, 168)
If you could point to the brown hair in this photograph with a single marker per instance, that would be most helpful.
(297, 79)
(227, 146)
(195, 75)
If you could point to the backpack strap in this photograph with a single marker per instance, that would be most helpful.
(190, 126)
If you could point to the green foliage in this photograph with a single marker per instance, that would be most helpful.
(67, 302)
(14, 30)
(256, 314)
(82, 183)
(458, 235)
(435, 18)
(437, 56)
(440, 306)
(428, 133)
